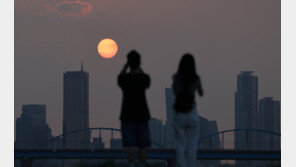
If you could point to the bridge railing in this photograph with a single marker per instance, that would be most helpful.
(243, 139)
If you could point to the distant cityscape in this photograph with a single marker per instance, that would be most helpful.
(249, 116)
(250, 113)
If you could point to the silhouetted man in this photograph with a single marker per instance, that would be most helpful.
(134, 112)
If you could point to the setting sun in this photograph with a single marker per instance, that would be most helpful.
(107, 48)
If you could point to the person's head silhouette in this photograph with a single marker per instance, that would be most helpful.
(187, 68)
(133, 59)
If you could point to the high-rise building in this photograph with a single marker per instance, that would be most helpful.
(170, 99)
(168, 136)
(75, 106)
(246, 114)
(207, 128)
(168, 131)
(269, 120)
(31, 127)
(155, 126)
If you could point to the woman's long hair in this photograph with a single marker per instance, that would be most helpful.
(187, 70)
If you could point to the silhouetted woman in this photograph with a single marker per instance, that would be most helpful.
(185, 83)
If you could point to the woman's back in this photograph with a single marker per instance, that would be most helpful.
(192, 87)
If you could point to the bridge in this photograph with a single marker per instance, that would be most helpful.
(28, 155)
(88, 129)
(200, 140)
(246, 131)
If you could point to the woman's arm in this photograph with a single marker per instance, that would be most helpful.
(199, 87)
(175, 84)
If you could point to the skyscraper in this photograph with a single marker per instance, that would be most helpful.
(270, 120)
(31, 127)
(168, 136)
(207, 128)
(155, 126)
(75, 106)
(168, 131)
(170, 99)
(246, 115)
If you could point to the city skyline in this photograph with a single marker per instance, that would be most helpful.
(169, 93)
(247, 92)
(69, 93)
(252, 113)
(225, 38)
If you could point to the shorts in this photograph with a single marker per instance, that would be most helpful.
(135, 134)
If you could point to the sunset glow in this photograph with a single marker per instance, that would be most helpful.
(107, 48)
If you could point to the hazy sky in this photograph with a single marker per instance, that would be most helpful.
(225, 36)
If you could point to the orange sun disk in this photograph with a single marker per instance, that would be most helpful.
(107, 48)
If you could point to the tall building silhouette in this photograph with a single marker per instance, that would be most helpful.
(168, 131)
(75, 108)
(155, 126)
(168, 136)
(270, 120)
(246, 114)
(31, 127)
(207, 128)
(170, 99)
